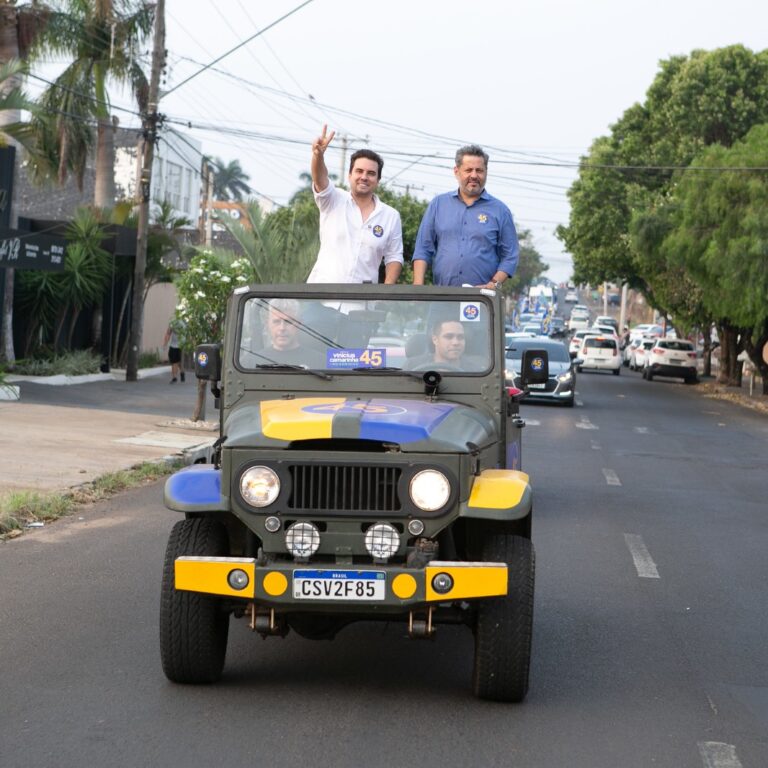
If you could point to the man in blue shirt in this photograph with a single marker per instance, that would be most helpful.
(467, 235)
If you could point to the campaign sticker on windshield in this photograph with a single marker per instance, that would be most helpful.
(470, 312)
(356, 358)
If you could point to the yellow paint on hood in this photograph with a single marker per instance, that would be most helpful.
(302, 419)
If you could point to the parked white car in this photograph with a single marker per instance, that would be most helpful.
(671, 356)
(645, 329)
(600, 353)
(639, 353)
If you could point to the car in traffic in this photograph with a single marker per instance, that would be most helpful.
(574, 345)
(672, 357)
(599, 353)
(571, 297)
(639, 353)
(645, 329)
(607, 320)
(556, 328)
(579, 319)
(561, 386)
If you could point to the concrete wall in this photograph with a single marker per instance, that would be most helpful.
(158, 310)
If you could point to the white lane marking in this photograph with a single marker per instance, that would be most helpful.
(580, 403)
(646, 568)
(532, 423)
(585, 423)
(611, 477)
(717, 754)
(595, 445)
(641, 430)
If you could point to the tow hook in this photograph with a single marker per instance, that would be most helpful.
(266, 623)
(420, 625)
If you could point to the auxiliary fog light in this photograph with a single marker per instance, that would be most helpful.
(259, 486)
(382, 540)
(430, 490)
(302, 539)
(442, 583)
(415, 527)
(238, 579)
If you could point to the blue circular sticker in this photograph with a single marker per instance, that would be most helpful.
(378, 230)
(537, 364)
(202, 359)
(471, 311)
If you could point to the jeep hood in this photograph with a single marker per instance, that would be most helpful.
(414, 425)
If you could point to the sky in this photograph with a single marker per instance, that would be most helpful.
(535, 82)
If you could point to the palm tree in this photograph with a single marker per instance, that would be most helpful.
(101, 37)
(230, 181)
(12, 101)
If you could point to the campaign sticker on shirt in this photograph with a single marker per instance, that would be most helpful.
(356, 358)
(482, 217)
(378, 230)
(470, 312)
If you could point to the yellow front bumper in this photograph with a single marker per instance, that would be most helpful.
(404, 586)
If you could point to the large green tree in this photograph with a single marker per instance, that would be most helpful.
(694, 101)
(721, 240)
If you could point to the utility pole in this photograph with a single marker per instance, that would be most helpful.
(342, 172)
(150, 121)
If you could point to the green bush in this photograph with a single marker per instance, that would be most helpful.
(75, 363)
(149, 360)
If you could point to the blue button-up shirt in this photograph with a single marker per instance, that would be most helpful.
(467, 243)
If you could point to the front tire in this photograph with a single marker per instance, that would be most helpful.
(193, 627)
(504, 626)
(616, 371)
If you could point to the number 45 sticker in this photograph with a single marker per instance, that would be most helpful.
(372, 357)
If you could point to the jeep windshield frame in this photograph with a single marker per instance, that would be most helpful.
(346, 330)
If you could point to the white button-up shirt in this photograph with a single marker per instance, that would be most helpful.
(351, 250)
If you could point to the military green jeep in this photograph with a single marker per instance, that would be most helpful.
(368, 469)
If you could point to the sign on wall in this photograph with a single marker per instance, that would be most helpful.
(31, 250)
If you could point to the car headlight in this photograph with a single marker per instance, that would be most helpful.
(382, 541)
(429, 490)
(259, 486)
(302, 539)
(567, 376)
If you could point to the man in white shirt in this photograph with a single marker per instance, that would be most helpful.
(357, 230)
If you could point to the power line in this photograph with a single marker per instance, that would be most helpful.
(238, 46)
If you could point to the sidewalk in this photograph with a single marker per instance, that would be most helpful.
(65, 431)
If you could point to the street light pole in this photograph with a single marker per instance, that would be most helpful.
(150, 121)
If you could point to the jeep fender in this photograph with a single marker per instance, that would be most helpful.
(498, 494)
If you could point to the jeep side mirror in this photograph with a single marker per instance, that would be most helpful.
(208, 362)
(534, 368)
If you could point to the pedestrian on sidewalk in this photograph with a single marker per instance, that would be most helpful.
(174, 354)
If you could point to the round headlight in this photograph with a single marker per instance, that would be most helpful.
(430, 490)
(259, 486)
(382, 540)
(302, 539)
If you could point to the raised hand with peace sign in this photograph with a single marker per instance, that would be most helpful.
(319, 170)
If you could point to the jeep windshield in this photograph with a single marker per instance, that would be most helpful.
(350, 336)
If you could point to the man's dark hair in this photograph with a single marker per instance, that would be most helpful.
(472, 150)
(368, 154)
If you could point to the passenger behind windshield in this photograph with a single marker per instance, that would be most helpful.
(286, 339)
(449, 342)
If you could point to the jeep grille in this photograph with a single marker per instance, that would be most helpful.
(345, 489)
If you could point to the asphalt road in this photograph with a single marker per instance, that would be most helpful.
(650, 631)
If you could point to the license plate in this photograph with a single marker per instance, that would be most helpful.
(339, 585)
(676, 362)
(537, 386)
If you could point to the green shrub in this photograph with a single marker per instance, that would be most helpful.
(149, 359)
(76, 363)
